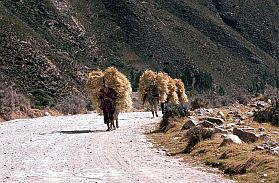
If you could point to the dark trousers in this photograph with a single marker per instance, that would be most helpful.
(108, 116)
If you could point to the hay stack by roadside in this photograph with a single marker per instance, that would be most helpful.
(162, 80)
(146, 79)
(114, 79)
(181, 91)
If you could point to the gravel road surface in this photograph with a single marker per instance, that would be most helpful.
(78, 149)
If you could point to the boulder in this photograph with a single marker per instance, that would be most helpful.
(189, 124)
(271, 146)
(221, 130)
(207, 124)
(245, 136)
(265, 136)
(231, 139)
(217, 121)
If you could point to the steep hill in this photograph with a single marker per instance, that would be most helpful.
(48, 47)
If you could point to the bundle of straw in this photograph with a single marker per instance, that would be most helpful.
(162, 80)
(120, 83)
(181, 91)
(146, 79)
(172, 95)
(114, 79)
(94, 83)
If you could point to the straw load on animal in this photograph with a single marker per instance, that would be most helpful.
(172, 95)
(146, 79)
(114, 79)
(162, 81)
(181, 91)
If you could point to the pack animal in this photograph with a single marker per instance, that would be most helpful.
(152, 97)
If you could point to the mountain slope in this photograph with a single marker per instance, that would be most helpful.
(48, 47)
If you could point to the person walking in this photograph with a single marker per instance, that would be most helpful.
(108, 98)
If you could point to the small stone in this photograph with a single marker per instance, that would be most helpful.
(210, 111)
(259, 147)
(217, 121)
(241, 123)
(261, 129)
(248, 128)
(169, 154)
(47, 114)
(250, 113)
(221, 114)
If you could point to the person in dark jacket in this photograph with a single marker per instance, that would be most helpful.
(108, 98)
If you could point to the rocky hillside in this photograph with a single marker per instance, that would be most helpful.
(48, 47)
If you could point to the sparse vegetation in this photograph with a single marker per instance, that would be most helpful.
(72, 104)
(242, 162)
(13, 104)
(173, 111)
(269, 114)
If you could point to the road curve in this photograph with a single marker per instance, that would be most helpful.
(78, 149)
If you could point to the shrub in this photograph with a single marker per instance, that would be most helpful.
(196, 135)
(269, 114)
(42, 99)
(171, 111)
(72, 104)
(198, 103)
(12, 103)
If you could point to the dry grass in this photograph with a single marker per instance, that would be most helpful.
(240, 162)
(13, 104)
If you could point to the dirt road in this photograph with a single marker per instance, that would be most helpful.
(78, 149)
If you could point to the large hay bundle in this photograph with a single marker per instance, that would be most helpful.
(181, 91)
(172, 95)
(146, 79)
(114, 79)
(120, 83)
(94, 83)
(162, 80)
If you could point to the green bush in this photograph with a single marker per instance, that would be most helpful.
(42, 99)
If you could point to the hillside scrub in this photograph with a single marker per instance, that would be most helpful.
(13, 104)
(223, 46)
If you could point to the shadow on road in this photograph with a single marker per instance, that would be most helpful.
(79, 131)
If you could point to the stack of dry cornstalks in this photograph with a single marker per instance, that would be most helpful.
(114, 79)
